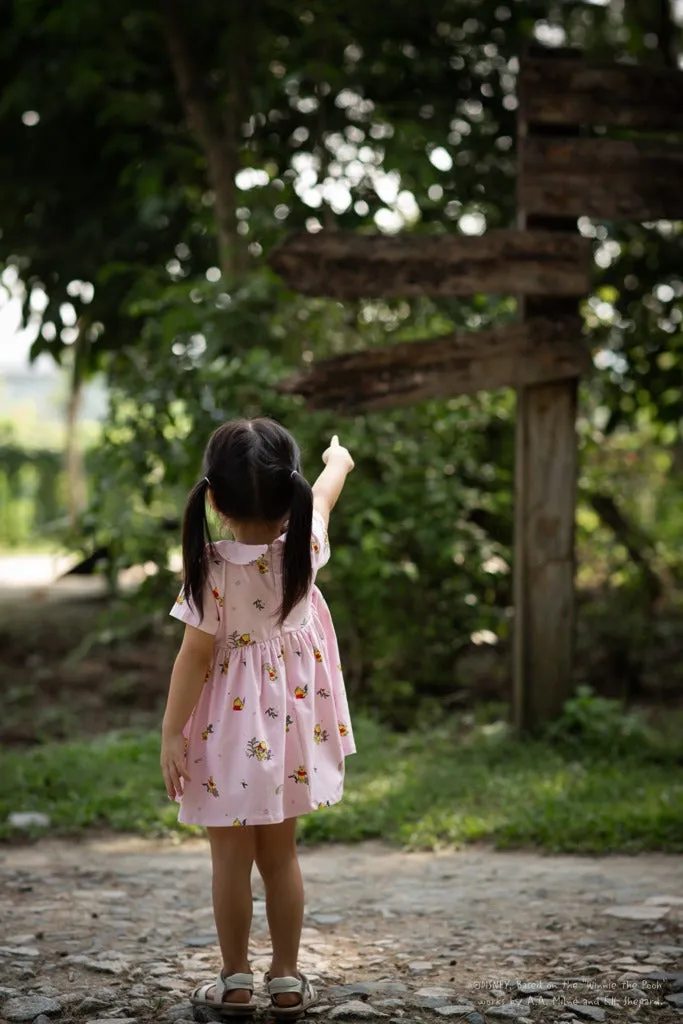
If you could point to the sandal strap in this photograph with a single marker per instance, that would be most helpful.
(202, 991)
(284, 986)
(231, 982)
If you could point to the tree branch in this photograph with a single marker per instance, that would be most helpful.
(638, 546)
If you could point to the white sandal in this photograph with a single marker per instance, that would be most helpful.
(300, 986)
(224, 984)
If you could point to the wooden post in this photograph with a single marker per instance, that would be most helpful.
(545, 509)
(545, 503)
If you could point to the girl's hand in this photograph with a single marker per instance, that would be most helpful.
(173, 764)
(336, 453)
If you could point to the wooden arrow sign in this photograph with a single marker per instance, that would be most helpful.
(347, 265)
(533, 352)
(607, 179)
(558, 90)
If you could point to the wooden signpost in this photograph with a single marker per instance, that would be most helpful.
(561, 176)
(564, 171)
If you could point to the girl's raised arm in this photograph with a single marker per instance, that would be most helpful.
(329, 485)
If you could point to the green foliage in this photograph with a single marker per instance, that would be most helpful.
(113, 781)
(441, 787)
(31, 492)
(436, 788)
(33, 507)
(599, 725)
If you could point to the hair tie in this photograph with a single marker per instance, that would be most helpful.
(206, 481)
(294, 474)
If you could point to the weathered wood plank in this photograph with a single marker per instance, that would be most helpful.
(566, 91)
(608, 179)
(402, 374)
(545, 504)
(346, 265)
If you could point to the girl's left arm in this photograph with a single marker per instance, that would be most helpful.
(187, 681)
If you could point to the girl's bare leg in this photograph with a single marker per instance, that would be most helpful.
(278, 863)
(232, 855)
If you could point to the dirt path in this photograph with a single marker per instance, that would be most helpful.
(121, 929)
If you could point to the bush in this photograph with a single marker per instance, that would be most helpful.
(595, 725)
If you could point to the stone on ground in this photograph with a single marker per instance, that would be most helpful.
(355, 1010)
(508, 1010)
(23, 1008)
(586, 1011)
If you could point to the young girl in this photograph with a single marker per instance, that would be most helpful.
(256, 726)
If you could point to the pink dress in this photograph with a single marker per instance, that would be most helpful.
(271, 729)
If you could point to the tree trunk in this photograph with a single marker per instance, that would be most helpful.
(73, 455)
(218, 135)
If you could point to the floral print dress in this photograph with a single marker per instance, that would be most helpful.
(268, 737)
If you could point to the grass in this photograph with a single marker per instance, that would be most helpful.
(425, 790)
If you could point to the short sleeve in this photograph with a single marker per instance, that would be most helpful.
(320, 545)
(189, 614)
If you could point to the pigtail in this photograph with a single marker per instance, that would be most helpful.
(195, 537)
(297, 568)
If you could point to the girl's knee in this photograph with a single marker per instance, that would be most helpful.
(275, 846)
(232, 842)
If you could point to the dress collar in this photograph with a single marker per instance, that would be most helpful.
(236, 553)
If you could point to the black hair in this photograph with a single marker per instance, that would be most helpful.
(254, 470)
